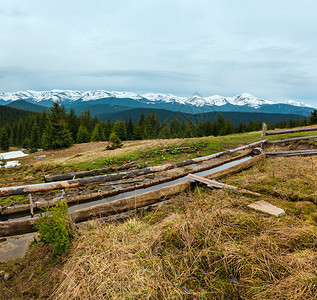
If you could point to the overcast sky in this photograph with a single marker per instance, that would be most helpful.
(266, 48)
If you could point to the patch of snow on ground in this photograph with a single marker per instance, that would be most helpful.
(11, 164)
(12, 154)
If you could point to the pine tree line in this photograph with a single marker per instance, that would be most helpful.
(58, 129)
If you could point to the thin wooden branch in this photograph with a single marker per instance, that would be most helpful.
(214, 183)
(291, 130)
(292, 139)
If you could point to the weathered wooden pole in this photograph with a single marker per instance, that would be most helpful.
(264, 128)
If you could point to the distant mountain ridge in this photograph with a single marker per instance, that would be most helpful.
(195, 104)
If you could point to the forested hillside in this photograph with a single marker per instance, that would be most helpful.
(10, 115)
(59, 129)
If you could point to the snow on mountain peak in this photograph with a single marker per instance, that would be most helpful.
(244, 99)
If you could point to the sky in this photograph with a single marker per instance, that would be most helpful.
(226, 47)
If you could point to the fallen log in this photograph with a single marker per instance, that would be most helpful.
(125, 204)
(292, 139)
(81, 174)
(100, 195)
(293, 153)
(214, 183)
(44, 187)
(291, 130)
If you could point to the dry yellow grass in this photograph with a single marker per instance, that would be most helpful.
(94, 150)
(204, 244)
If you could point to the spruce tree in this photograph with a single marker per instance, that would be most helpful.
(83, 135)
(97, 133)
(61, 136)
(35, 138)
(165, 132)
(4, 139)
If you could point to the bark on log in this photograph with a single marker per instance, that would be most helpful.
(81, 174)
(44, 187)
(100, 195)
(293, 153)
(292, 139)
(291, 130)
(125, 204)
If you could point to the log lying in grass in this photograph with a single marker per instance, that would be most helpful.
(100, 195)
(81, 174)
(125, 204)
(214, 183)
(292, 139)
(293, 153)
(291, 130)
(44, 187)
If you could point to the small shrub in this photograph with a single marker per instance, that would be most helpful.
(115, 142)
(56, 228)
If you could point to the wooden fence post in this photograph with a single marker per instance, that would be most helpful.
(264, 131)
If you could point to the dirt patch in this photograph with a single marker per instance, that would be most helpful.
(94, 150)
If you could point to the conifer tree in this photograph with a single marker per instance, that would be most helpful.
(97, 133)
(313, 117)
(83, 135)
(165, 132)
(137, 132)
(4, 139)
(61, 136)
(119, 128)
(35, 138)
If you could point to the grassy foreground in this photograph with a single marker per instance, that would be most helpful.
(204, 244)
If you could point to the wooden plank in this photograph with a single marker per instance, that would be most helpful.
(291, 130)
(268, 208)
(214, 183)
(292, 139)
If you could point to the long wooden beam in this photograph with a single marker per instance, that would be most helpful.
(44, 187)
(81, 174)
(214, 183)
(291, 130)
(293, 153)
(293, 139)
(125, 204)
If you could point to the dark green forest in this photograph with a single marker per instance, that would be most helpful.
(59, 129)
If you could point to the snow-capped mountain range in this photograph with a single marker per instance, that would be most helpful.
(197, 100)
(242, 102)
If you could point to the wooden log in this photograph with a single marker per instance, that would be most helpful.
(100, 195)
(31, 206)
(291, 130)
(292, 139)
(122, 205)
(264, 128)
(81, 174)
(44, 187)
(293, 153)
(214, 183)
